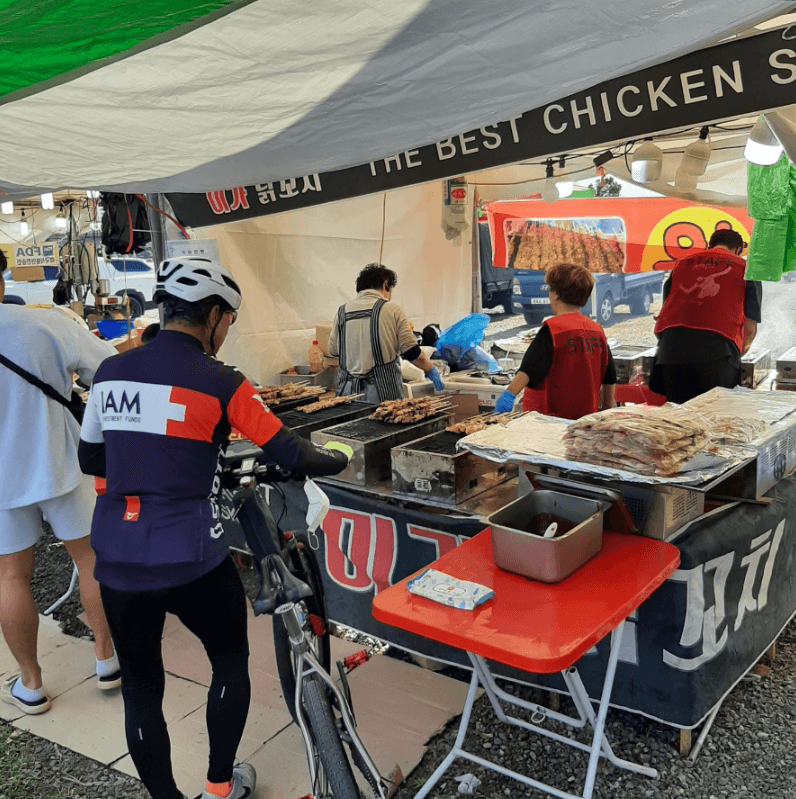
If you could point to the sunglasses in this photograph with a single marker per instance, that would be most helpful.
(234, 315)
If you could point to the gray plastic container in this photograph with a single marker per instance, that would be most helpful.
(518, 545)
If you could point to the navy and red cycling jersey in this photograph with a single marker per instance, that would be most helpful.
(156, 426)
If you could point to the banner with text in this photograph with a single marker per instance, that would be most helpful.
(740, 77)
(682, 650)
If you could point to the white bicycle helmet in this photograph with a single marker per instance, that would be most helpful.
(193, 279)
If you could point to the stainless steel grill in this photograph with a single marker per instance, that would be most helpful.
(443, 443)
(306, 423)
(371, 442)
(373, 430)
(431, 470)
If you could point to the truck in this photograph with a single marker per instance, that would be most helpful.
(496, 282)
(530, 298)
(629, 245)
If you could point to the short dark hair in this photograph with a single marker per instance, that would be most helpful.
(149, 332)
(731, 239)
(374, 276)
(3, 263)
(191, 313)
(572, 282)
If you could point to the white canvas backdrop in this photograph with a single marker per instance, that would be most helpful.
(296, 269)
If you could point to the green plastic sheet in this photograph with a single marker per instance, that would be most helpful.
(772, 204)
(43, 42)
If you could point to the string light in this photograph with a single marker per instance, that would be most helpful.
(47, 201)
(695, 161)
(24, 228)
(7, 207)
(762, 146)
(60, 221)
(550, 190)
(647, 162)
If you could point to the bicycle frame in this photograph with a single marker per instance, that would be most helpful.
(306, 664)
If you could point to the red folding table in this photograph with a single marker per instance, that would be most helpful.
(539, 628)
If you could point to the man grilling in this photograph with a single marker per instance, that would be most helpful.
(370, 336)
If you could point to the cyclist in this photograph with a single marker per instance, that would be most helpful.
(156, 425)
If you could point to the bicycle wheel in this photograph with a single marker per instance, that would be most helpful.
(334, 775)
(303, 564)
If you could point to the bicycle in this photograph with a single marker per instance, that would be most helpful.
(290, 589)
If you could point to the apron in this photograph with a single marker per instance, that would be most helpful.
(383, 381)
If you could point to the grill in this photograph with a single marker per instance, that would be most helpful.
(289, 405)
(628, 359)
(755, 367)
(372, 441)
(306, 423)
(432, 471)
(443, 443)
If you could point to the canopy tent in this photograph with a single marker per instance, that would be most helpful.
(183, 97)
(187, 96)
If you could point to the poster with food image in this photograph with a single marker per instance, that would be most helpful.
(598, 243)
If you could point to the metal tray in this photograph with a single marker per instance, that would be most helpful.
(628, 359)
(518, 545)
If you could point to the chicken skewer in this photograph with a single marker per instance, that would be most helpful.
(330, 403)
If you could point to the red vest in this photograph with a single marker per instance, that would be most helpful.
(571, 388)
(708, 291)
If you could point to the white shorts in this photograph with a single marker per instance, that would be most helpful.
(69, 516)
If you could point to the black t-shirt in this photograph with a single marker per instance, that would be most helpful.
(538, 359)
(686, 345)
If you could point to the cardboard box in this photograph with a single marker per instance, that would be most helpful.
(322, 333)
(24, 274)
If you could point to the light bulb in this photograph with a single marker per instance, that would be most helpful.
(7, 207)
(647, 161)
(695, 161)
(60, 221)
(47, 201)
(762, 146)
(550, 190)
(24, 228)
(93, 195)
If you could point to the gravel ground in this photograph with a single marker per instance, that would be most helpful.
(750, 753)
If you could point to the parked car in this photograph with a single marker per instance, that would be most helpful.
(136, 276)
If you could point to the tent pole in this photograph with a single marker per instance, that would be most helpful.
(476, 257)
(156, 228)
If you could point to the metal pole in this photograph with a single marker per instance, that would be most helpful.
(476, 258)
(157, 229)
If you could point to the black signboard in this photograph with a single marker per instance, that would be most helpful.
(741, 77)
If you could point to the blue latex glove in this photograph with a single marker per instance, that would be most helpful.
(505, 402)
(434, 377)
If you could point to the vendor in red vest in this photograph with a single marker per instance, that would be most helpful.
(568, 371)
(708, 320)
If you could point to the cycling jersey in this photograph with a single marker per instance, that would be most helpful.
(160, 417)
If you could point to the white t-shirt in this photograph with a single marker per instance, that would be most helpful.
(38, 454)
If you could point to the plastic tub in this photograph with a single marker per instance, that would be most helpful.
(518, 545)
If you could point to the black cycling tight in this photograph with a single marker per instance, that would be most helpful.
(214, 609)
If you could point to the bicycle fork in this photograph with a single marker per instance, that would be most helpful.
(306, 664)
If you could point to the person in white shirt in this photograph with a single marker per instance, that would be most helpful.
(42, 480)
(370, 336)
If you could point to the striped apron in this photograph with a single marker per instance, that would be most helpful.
(383, 381)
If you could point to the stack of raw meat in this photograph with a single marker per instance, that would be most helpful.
(643, 439)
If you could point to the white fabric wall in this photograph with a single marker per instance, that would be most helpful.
(296, 269)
